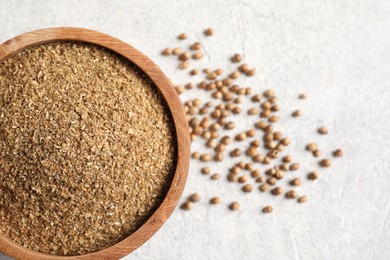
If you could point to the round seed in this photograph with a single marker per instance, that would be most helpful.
(235, 153)
(177, 51)
(294, 166)
(247, 188)
(272, 181)
(215, 176)
(218, 157)
(183, 65)
(195, 197)
(209, 32)
(205, 157)
(251, 72)
(256, 98)
(313, 176)
(296, 182)
(312, 147)
(236, 110)
(235, 75)
(230, 125)
(297, 113)
(255, 173)
(325, 162)
(258, 158)
(240, 137)
(302, 96)
(167, 52)
(338, 153)
(179, 89)
(195, 155)
(197, 55)
(269, 93)
(267, 209)
(184, 56)
(242, 179)
(241, 165)
(232, 177)
(260, 179)
(264, 187)
(182, 36)
(285, 141)
(205, 170)
(316, 153)
(302, 199)
(251, 151)
(251, 132)
(253, 111)
(292, 194)
(188, 205)
(273, 119)
(255, 143)
(234, 206)
(236, 58)
(277, 191)
(215, 200)
(323, 130)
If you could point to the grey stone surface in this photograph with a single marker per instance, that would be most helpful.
(335, 51)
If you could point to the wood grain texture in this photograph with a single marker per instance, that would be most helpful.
(135, 240)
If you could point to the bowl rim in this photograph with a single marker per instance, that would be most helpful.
(165, 209)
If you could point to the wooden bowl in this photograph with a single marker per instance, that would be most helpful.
(171, 199)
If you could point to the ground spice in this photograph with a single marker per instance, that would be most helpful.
(87, 142)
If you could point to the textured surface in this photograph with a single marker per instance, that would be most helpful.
(335, 51)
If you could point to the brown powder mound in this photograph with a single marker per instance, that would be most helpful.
(87, 148)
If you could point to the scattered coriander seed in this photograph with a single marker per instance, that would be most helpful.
(313, 176)
(323, 130)
(215, 200)
(195, 197)
(253, 111)
(251, 72)
(241, 137)
(264, 187)
(209, 32)
(218, 157)
(184, 56)
(236, 58)
(261, 125)
(235, 153)
(251, 132)
(338, 153)
(292, 194)
(247, 188)
(277, 191)
(251, 151)
(205, 170)
(279, 174)
(234, 206)
(302, 199)
(242, 179)
(167, 52)
(312, 147)
(267, 209)
(188, 205)
(179, 89)
(269, 93)
(273, 119)
(255, 173)
(196, 46)
(232, 177)
(255, 143)
(177, 51)
(325, 162)
(316, 153)
(294, 166)
(249, 167)
(275, 108)
(259, 179)
(197, 55)
(258, 158)
(297, 113)
(195, 155)
(302, 96)
(272, 180)
(219, 72)
(287, 158)
(194, 72)
(244, 68)
(182, 36)
(235, 75)
(285, 141)
(215, 176)
(256, 98)
(205, 157)
(296, 182)
(236, 110)
(184, 65)
(241, 165)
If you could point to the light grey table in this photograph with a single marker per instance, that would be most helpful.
(338, 52)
